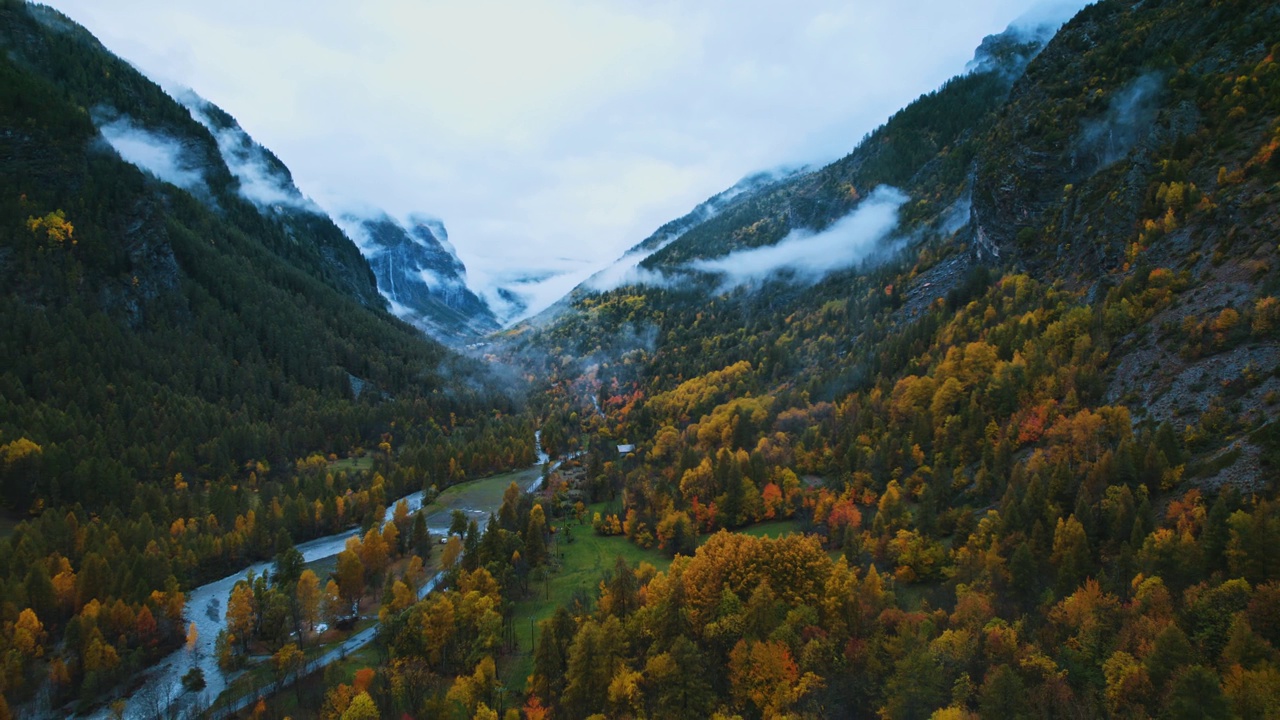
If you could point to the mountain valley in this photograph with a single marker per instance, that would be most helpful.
(976, 421)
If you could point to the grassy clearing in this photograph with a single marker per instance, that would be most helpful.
(345, 669)
(772, 529)
(352, 464)
(581, 565)
(478, 497)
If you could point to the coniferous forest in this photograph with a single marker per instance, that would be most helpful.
(1021, 463)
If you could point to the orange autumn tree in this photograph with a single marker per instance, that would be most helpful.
(766, 676)
(794, 566)
(242, 614)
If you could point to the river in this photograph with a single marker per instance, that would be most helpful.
(162, 694)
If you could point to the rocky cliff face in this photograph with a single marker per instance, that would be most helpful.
(413, 264)
(419, 273)
(1086, 125)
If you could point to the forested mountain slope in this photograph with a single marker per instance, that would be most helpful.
(1003, 379)
(1036, 424)
(179, 362)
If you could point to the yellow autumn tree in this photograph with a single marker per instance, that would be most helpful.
(362, 707)
(764, 674)
(28, 634)
(332, 606)
(53, 227)
(350, 574)
(242, 615)
(287, 659)
(307, 593)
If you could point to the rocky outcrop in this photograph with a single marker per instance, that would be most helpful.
(419, 273)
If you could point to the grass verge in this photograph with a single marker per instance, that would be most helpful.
(582, 563)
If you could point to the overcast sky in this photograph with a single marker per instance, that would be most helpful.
(548, 135)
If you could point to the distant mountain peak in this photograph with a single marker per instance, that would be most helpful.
(419, 273)
(626, 269)
(1010, 51)
(416, 268)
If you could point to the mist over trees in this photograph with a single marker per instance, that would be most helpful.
(1022, 467)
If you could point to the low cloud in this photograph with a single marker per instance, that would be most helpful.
(627, 271)
(600, 121)
(957, 216)
(156, 153)
(1129, 116)
(519, 295)
(808, 256)
(260, 183)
